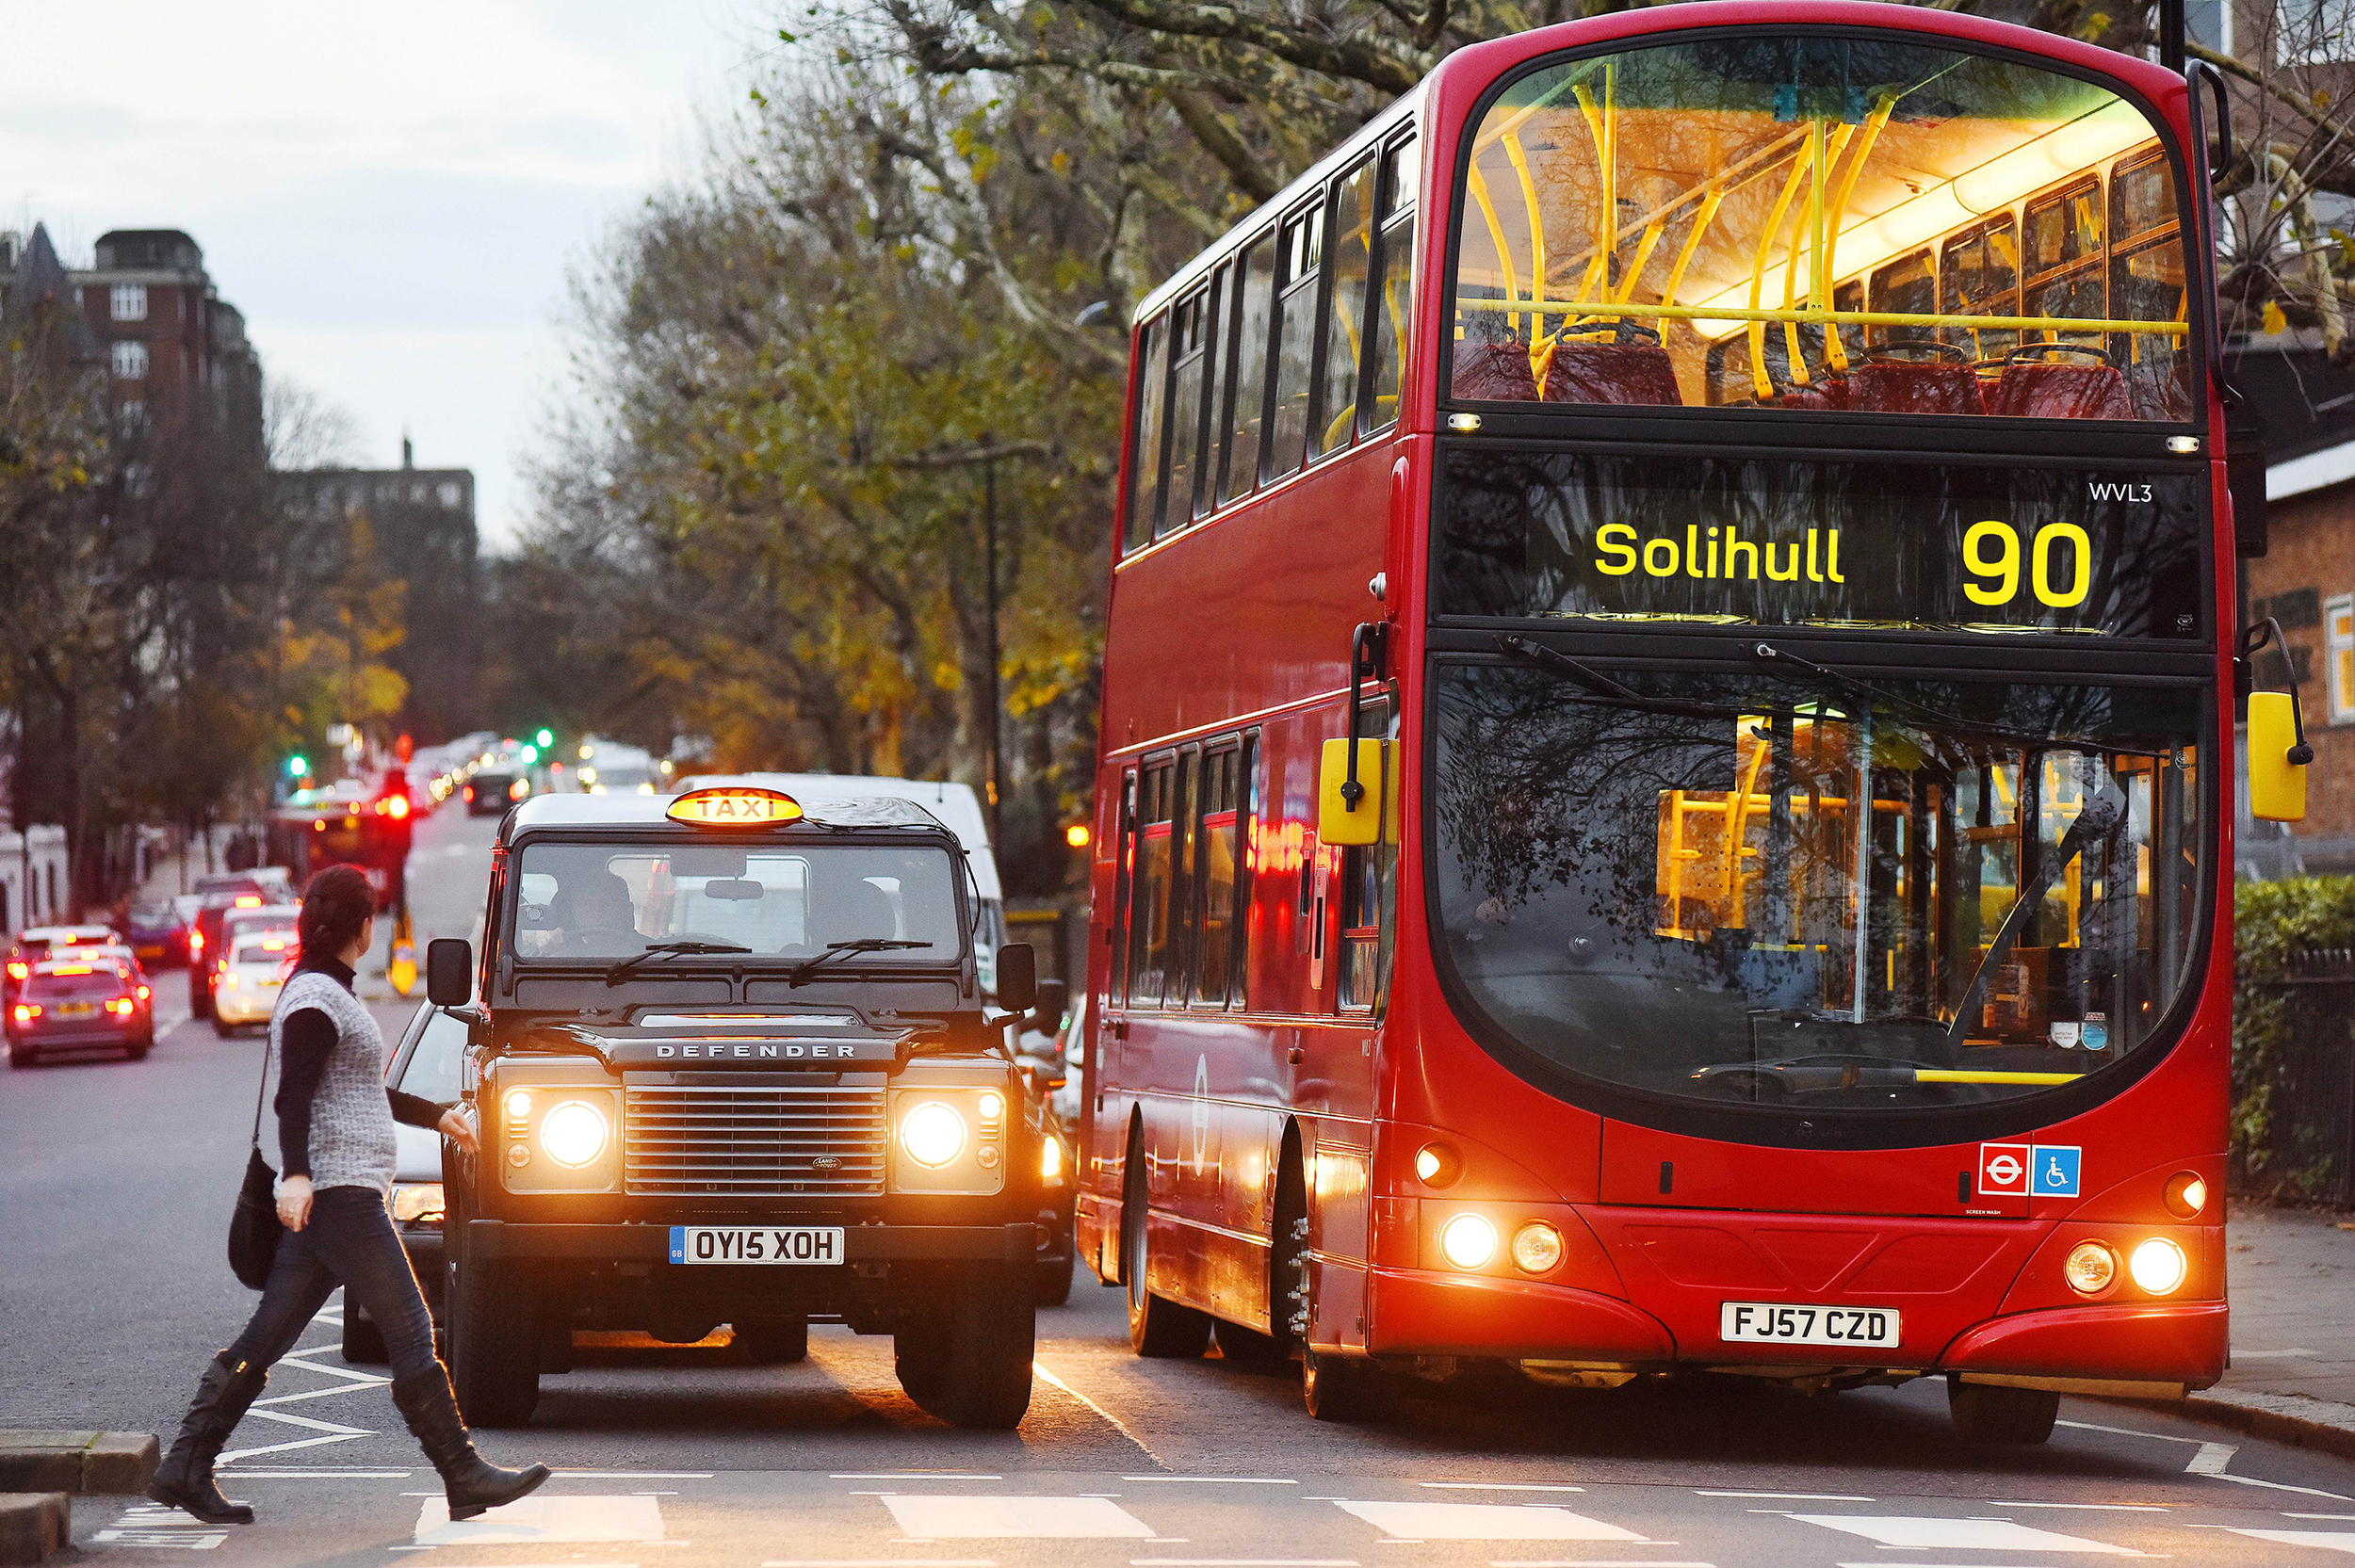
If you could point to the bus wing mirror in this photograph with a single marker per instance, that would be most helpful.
(449, 972)
(1017, 976)
(2277, 781)
(1344, 818)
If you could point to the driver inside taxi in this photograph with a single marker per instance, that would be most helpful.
(594, 916)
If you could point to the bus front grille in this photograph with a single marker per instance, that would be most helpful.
(753, 1141)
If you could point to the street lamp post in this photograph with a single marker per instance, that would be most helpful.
(989, 579)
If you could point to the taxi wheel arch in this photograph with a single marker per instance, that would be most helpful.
(1157, 1327)
(494, 1342)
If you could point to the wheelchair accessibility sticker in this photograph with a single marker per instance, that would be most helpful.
(2029, 1170)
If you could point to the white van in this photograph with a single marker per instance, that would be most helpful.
(957, 806)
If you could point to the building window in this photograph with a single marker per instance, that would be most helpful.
(449, 495)
(127, 303)
(133, 417)
(131, 360)
(2338, 645)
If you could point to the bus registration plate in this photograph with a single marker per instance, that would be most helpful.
(1793, 1323)
(743, 1244)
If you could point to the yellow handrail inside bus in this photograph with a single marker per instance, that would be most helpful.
(1811, 223)
(1965, 1074)
(1643, 256)
(1852, 318)
(1701, 221)
(1769, 233)
(1496, 235)
(1835, 352)
(1540, 343)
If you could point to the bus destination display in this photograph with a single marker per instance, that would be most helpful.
(1773, 543)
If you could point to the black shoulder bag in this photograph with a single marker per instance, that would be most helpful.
(254, 1229)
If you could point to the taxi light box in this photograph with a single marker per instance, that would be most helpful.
(735, 808)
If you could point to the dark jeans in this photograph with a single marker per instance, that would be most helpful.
(348, 1241)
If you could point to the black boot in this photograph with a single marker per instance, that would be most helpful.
(472, 1483)
(185, 1479)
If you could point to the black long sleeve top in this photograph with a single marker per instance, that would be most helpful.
(306, 1038)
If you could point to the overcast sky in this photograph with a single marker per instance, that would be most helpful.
(391, 194)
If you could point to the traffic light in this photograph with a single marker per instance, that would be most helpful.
(530, 753)
(546, 738)
(297, 766)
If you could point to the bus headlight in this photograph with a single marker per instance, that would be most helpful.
(573, 1134)
(932, 1134)
(2158, 1266)
(2091, 1267)
(1438, 1166)
(1468, 1241)
(2186, 1194)
(1536, 1247)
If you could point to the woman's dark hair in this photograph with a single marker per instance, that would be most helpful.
(336, 904)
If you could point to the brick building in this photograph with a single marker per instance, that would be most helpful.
(167, 333)
(2306, 582)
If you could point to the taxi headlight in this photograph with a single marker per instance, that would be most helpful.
(573, 1134)
(932, 1134)
(2158, 1266)
(416, 1201)
(2091, 1267)
(1468, 1241)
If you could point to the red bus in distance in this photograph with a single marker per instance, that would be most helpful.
(1665, 782)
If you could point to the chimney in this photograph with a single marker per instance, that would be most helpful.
(408, 454)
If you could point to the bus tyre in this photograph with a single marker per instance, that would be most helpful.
(1157, 1327)
(1985, 1412)
(984, 1358)
(494, 1343)
(779, 1342)
(363, 1342)
(1346, 1388)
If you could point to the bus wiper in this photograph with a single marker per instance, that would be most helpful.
(621, 971)
(836, 949)
(1608, 692)
(1947, 723)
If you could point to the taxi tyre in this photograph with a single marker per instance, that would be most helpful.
(225, 1030)
(1985, 1413)
(494, 1343)
(778, 1343)
(1052, 1280)
(977, 1373)
(1157, 1327)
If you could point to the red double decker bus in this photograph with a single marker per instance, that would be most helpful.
(1666, 776)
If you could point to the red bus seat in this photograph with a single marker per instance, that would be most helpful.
(2054, 389)
(1904, 386)
(1496, 371)
(1611, 373)
(1831, 392)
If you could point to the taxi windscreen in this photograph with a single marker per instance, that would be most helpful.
(605, 901)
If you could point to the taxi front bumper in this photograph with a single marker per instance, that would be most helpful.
(651, 1242)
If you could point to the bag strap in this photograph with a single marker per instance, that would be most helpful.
(259, 1090)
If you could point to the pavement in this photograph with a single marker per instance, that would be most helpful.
(115, 1194)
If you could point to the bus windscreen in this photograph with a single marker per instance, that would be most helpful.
(1770, 541)
(1816, 893)
(1821, 224)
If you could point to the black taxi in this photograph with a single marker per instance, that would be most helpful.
(730, 1063)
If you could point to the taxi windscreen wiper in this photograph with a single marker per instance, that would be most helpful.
(621, 971)
(836, 949)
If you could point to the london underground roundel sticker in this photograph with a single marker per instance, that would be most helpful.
(2004, 1169)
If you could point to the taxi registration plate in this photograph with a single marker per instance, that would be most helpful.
(1796, 1323)
(738, 1245)
(76, 1010)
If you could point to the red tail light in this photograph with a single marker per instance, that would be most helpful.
(196, 942)
(122, 1007)
(249, 900)
(470, 793)
(26, 1012)
(20, 971)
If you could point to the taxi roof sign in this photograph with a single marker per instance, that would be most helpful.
(735, 807)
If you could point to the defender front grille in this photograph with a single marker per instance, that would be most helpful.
(753, 1141)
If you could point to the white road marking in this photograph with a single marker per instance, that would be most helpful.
(541, 1519)
(1243, 1563)
(1498, 1486)
(1969, 1535)
(879, 1562)
(635, 1475)
(1620, 1563)
(1219, 1480)
(288, 1447)
(1114, 1421)
(1790, 1497)
(2289, 1515)
(908, 1475)
(2269, 1356)
(925, 1517)
(2329, 1540)
(2129, 1431)
(2110, 1508)
(1486, 1522)
(2212, 1457)
(150, 1524)
(324, 1475)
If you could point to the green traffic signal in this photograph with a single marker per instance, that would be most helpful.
(297, 766)
(530, 753)
(546, 738)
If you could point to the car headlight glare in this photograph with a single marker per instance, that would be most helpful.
(1536, 1247)
(2091, 1269)
(573, 1134)
(2158, 1266)
(932, 1134)
(1468, 1241)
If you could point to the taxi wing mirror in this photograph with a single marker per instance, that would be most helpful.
(1017, 976)
(449, 972)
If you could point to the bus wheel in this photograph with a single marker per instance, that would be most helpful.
(985, 1367)
(776, 1343)
(1157, 1326)
(1985, 1412)
(494, 1343)
(1346, 1388)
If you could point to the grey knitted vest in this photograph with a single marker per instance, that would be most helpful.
(352, 1140)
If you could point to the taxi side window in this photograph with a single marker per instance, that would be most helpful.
(433, 1069)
